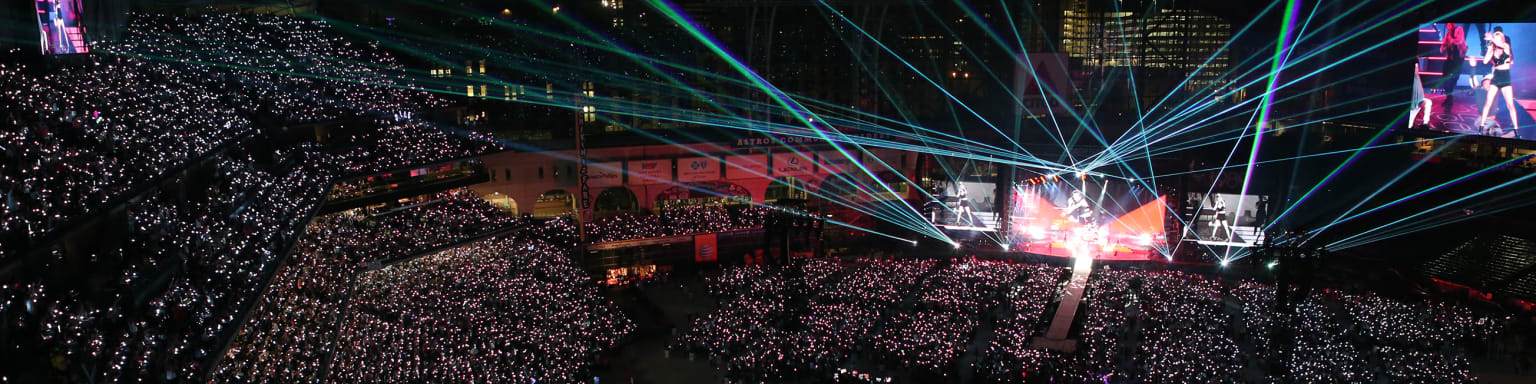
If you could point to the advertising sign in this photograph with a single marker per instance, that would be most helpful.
(746, 166)
(792, 164)
(698, 169)
(656, 171)
(833, 162)
(705, 248)
(607, 174)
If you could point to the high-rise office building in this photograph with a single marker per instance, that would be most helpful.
(1161, 43)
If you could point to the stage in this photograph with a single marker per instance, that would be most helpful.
(1462, 118)
(1112, 253)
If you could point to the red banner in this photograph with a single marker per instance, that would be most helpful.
(746, 167)
(698, 169)
(833, 162)
(704, 248)
(793, 164)
(656, 171)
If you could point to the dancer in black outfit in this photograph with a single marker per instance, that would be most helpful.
(1220, 229)
(1501, 59)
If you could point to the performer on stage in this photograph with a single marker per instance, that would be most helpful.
(964, 210)
(1454, 46)
(1220, 230)
(1501, 58)
(61, 28)
(1421, 104)
(1078, 208)
(1481, 75)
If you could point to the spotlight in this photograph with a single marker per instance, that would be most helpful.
(956, 244)
(1005, 247)
(1223, 263)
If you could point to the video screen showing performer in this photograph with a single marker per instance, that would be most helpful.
(1469, 78)
(963, 205)
(1054, 213)
(1228, 219)
(59, 27)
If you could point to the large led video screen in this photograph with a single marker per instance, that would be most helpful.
(964, 205)
(1469, 79)
(1066, 215)
(59, 28)
(1227, 219)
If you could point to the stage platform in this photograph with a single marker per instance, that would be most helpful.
(1062, 249)
(1462, 116)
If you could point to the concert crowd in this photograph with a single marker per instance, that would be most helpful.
(189, 92)
(678, 220)
(1169, 326)
(292, 333)
(806, 321)
(512, 309)
(158, 302)
(75, 140)
(929, 322)
(177, 281)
